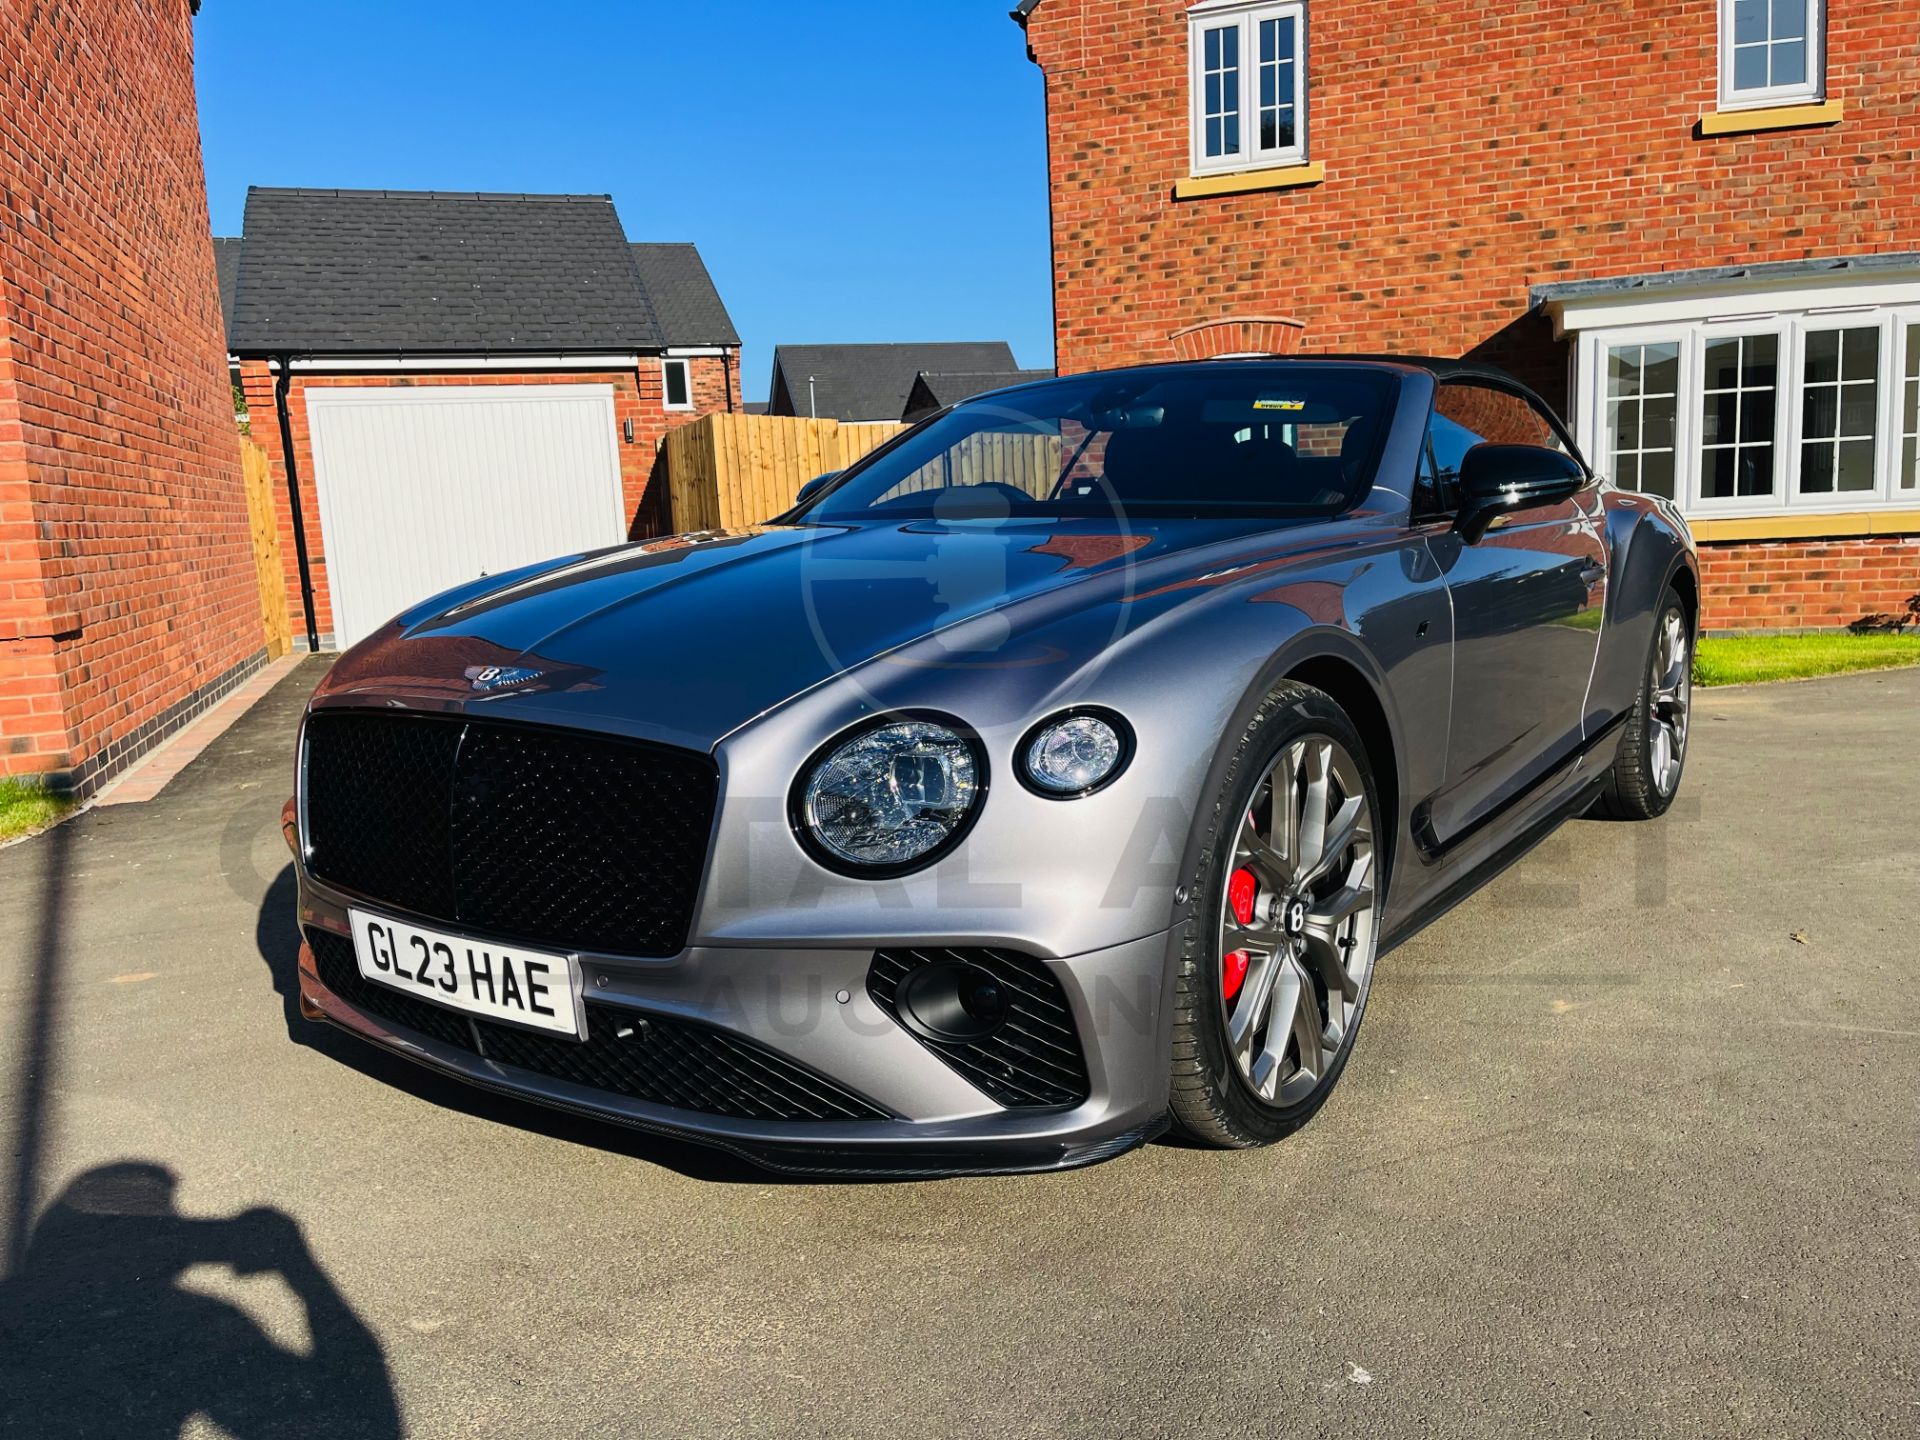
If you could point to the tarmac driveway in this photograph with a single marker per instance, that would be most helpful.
(1631, 1146)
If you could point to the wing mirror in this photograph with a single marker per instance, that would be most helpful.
(814, 486)
(1498, 479)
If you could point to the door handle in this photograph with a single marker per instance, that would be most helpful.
(1593, 575)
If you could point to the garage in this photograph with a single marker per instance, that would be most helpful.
(424, 488)
(449, 385)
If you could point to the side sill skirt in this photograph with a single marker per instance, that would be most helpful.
(1433, 849)
(1473, 880)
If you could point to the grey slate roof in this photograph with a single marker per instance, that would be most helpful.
(342, 272)
(684, 299)
(1760, 273)
(226, 263)
(872, 382)
(934, 389)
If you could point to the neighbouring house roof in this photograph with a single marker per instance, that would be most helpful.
(872, 382)
(382, 272)
(683, 296)
(1757, 274)
(226, 263)
(934, 389)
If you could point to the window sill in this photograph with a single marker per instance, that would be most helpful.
(1772, 117)
(1239, 182)
(1808, 526)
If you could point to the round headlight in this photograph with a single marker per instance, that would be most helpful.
(893, 795)
(1074, 754)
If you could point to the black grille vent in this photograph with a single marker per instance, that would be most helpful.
(660, 1060)
(546, 836)
(1034, 1059)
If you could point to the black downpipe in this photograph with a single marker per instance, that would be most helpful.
(280, 385)
(726, 372)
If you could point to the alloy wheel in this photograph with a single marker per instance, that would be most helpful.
(1669, 694)
(1298, 921)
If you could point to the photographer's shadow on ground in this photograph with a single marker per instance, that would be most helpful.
(99, 1337)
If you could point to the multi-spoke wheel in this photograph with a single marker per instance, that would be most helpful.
(1670, 689)
(1653, 750)
(1285, 929)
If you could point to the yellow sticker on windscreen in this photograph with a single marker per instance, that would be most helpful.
(1278, 402)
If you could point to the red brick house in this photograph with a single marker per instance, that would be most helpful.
(128, 600)
(1694, 224)
(473, 382)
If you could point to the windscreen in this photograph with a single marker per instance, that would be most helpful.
(1285, 439)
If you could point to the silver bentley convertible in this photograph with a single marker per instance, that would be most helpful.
(1055, 775)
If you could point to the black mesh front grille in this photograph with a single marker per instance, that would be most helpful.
(1034, 1059)
(547, 836)
(377, 807)
(660, 1060)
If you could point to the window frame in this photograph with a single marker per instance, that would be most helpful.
(1906, 331)
(1446, 483)
(1246, 16)
(1684, 425)
(1894, 322)
(1692, 497)
(686, 370)
(1886, 342)
(1813, 88)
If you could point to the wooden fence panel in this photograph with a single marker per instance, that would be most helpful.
(275, 624)
(730, 470)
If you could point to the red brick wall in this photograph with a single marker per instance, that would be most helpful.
(126, 570)
(1471, 151)
(1810, 584)
(637, 396)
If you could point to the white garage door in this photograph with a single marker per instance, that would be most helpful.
(423, 488)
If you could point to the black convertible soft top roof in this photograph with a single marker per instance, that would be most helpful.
(1440, 367)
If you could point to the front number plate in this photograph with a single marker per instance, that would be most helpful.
(482, 977)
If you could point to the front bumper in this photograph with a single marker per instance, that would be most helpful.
(811, 1006)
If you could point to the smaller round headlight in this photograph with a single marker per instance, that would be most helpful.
(1073, 754)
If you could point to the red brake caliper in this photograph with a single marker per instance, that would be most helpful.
(1241, 889)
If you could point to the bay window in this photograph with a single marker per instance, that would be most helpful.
(1248, 83)
(1814, 410)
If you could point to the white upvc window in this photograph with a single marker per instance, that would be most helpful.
(676, 384)
(1772, 52)
(1807, 411)
(1248, 78)
(1907, 475)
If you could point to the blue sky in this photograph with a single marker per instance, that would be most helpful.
(851, 169)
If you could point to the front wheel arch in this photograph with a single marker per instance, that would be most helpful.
(1353, 693)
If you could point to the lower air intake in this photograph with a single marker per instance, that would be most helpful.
(1032, 1057)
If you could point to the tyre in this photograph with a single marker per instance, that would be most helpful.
(1646, 773)
(1282, 926)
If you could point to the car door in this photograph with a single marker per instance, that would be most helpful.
(1528, 601)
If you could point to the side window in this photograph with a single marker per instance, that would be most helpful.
(1428, 498)
(1466, 414)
